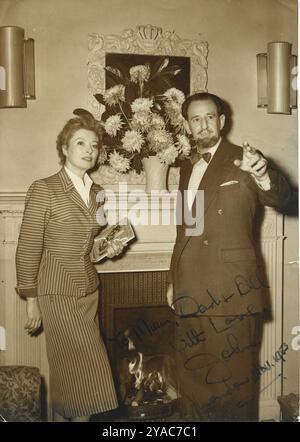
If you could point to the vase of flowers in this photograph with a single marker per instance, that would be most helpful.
(156, 174)
(143, 124)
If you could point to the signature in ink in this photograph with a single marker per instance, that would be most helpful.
(230, 321)
(185, 305)
(189, 339)
(141, 327)
(235, 348)
(212, 404)
(267, 366)
(245, 286)
(219, 373)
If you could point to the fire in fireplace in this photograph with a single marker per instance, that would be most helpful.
(147, 382)
(139, 328)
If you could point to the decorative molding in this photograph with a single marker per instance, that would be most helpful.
(143, 40)
(9, 201)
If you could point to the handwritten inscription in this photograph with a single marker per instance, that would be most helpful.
(218, 372)
(267, 366)
(230, 321)
(185, 305)
(188, 339)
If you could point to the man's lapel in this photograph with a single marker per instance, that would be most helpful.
(216, 173)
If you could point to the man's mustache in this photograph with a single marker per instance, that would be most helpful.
(205, 132)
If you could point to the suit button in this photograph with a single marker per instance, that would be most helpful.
(220, 212)
(205, 242)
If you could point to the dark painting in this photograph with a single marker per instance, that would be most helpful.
(124, 62)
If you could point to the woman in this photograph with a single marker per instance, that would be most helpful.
(58, 280)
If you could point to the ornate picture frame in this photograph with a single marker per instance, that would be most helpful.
(143, 40)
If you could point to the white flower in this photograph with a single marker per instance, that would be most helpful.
(113, 124)
(169, 155)
(140, 73)
(141, 105)
(157, 122)
(132, 141)
(141, 121)
(102, 155)
(118, 162)
(173, 111)
(114, 94)
(175, 95)
(159, 139)
(184, 145)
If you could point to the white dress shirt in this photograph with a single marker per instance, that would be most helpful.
(199, 170)
(197, 175)
(83, 187)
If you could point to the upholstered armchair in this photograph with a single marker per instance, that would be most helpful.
(20, 394)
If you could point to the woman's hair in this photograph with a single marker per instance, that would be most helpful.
(72, 126)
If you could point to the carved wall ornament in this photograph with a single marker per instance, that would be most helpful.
(143, 40)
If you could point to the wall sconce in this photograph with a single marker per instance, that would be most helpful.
(276, 78)
(17, 82)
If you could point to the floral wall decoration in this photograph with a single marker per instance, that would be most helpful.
(138, 95)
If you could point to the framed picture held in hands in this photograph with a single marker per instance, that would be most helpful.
(122, 231)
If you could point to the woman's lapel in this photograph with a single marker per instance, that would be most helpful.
(72, 193)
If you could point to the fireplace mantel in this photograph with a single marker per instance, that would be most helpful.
(155, 235)
(152, 249)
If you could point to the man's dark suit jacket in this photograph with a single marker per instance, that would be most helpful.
(217, 272)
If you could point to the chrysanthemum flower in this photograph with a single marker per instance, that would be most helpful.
(159, 140)
(175, 95)
(157, 122)
(114, 94)
(169, 155)
(113, 124)
(132, 141)
(184, 145)
(118, 162)
(141, 105)
(140, 73)
(102, 155)
(173, 111)
(141, 121)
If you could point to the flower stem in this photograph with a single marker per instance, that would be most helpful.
(124, 115)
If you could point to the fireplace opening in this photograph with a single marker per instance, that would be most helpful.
(143, 361)
(138, 328)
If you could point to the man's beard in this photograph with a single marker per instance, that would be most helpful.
(206, 142)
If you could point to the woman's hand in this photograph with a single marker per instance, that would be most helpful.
(114, 248)
(34, 316)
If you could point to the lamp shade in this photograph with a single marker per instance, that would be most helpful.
(262, 98)
(12, 64)
(279, 77)
(293, 91)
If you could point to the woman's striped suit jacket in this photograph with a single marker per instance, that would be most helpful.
(56, 238)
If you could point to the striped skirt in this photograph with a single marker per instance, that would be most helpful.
(81, 381)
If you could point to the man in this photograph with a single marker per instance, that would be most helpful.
(217, 287)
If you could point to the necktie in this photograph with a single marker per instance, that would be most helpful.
(196, 156)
